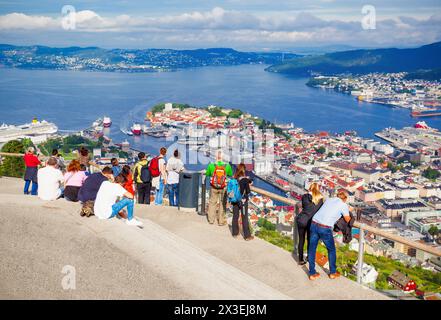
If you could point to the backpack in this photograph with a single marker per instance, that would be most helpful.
(144, 174)
(233, 191)
(154, 167)
(219, 178)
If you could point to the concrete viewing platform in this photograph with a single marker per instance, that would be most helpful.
(176, 255)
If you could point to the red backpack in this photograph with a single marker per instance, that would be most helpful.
(154, 167)
(219, 178)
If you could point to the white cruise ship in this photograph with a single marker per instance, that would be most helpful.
(37, 131)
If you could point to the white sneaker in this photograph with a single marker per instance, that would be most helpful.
(134, 222)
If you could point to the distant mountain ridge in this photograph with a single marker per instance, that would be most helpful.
(129, 60)
(364, 61)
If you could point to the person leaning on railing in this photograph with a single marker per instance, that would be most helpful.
(31, 162)
(311, 203)
(240, 208)
(321, 229)
(218, 173)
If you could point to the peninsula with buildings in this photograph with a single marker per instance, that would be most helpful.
(421, 97)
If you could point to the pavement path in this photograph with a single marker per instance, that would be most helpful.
(175, 256)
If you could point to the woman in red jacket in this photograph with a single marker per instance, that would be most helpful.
(127, 174)
(32, 162)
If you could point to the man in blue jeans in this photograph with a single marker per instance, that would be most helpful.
(174, 167)
(321, 229)
(161, 181)
(106, 204)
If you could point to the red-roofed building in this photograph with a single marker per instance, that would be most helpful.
(401, 281)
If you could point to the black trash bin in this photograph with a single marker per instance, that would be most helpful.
(189, 191)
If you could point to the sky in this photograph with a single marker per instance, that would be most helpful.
(254, 25)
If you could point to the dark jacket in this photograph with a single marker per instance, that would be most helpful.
(90, 188)
(345, 228)
(244, 186)
(309, 209)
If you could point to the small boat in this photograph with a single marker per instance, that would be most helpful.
(98, 122)
(107, 122)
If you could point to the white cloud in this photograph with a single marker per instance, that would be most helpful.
(228, 27)
(23, 21)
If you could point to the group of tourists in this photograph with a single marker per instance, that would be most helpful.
(158, 175)
(108, 193)
(113, 191)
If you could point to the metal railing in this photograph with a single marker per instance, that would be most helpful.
(8, 154)
(361, 226)
(92, 164)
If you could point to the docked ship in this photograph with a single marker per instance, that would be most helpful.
(421, 125)
(136, 129)
(156, 132)
(37, 131)
(107, 122)
(429, 112)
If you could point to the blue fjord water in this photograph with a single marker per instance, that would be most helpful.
(73, 100)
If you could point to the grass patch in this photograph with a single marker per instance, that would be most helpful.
(426, 280)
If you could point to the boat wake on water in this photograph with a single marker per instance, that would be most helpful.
(131, 118)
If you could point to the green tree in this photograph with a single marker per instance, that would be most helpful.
(122, 154)
(414, 164)
(75, 140)
(433, 230)
(330, 154)
(216, 112)
(431, 174)
(13, 166)
(27, 142)
(265, 224)
(321, 150)
(392, 167)
(65, 148)
(235, 113)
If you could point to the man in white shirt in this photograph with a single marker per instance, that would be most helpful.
(50, 180)
(106, 205)
(174, 167)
